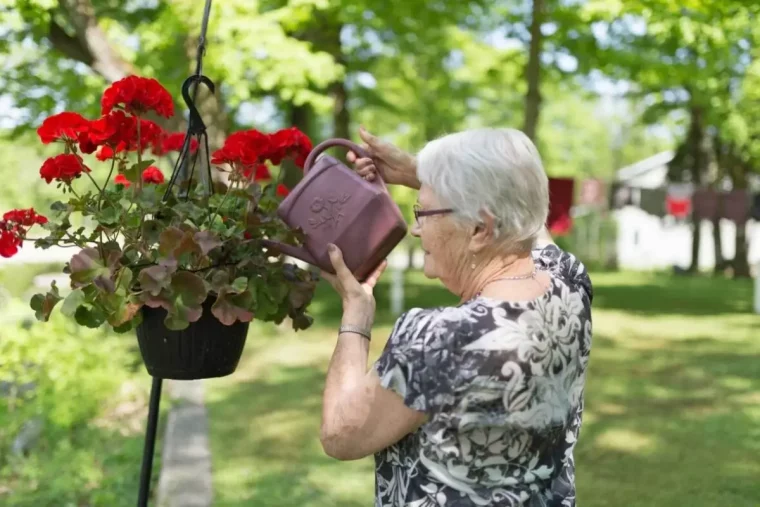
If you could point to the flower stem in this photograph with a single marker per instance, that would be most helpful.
(138, 183)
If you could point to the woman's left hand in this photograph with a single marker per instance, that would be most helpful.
(358, 298)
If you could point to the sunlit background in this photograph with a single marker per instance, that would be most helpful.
(646, 114)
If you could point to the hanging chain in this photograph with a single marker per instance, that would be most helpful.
(196, 127)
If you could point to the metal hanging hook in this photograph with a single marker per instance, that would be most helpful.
(196, 125)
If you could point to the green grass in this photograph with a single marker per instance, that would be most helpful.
(672, 402)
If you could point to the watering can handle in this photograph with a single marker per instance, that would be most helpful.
(358, 150)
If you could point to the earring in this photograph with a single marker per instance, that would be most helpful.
(473, 262)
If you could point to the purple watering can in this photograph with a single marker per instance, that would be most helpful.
(333, 204)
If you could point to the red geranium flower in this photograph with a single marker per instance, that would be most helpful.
(63, 168)
(118, 131)
(13, 229)
(282, 190)
(289, 142)
(256, 172)
(9, 243)
(120, 179)
(25, 217)
(112, 130)
(173, 142)
(105, 153)
(137, 95)
(153, 175)
(242, 149)
(66, 126)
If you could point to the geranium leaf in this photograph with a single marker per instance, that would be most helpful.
(72, 302)
(89, 317)
(189, 287)
(86, 266)
(43, 304)
(154, 279)
(151, 230)
(230, 308)
(207, 241)
(240, 284)
(134, 172)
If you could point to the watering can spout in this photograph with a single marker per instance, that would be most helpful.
(293, 251)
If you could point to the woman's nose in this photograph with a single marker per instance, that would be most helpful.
(415, 230)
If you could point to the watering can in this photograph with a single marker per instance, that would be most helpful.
(333, 204)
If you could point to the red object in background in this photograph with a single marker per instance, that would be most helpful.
(679, 208)
(560, 201)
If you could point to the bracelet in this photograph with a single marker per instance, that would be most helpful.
(355, 329)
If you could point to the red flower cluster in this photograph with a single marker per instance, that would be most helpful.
(25, 217)
(66, 126)
(282, 190)
(247, 151)
(153, 175)
(63, 168)
(13, 229)
(173, 142)
(150, 175)
(138, 95)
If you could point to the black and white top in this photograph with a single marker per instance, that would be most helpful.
(502, 384)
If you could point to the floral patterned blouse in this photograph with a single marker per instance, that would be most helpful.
(502, 384)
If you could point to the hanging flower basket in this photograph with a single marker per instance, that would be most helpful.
(186, 269)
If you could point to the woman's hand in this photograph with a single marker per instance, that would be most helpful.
(358, 298)
(395, 166)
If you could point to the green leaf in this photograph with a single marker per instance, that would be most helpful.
(43, 304)
(189, 210)
(134, 172)
(72, 302)
(151, 231)
(89, 317)
(240, 284)
(220, 280)
(109, 215)
(229, 308)
(149, 199)
(155, 279)
(85, 266)
(207, 241)
(174, 242)
(190, 288)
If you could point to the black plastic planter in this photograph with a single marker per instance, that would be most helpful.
(206, 349)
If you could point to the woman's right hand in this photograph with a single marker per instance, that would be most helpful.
(395, 166)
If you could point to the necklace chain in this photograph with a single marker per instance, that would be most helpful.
(528, 276)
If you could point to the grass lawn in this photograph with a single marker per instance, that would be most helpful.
(672, 402)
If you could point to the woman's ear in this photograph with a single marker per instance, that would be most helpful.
(483, 233)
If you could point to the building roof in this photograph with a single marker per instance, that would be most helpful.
(644, 166)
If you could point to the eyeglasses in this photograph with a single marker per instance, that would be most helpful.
(419, 212)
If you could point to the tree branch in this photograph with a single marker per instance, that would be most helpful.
(89, 44)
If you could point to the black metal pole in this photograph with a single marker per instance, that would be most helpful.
(150, 442)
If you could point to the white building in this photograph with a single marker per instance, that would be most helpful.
(648, 242)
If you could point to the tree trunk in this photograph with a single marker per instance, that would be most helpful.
(698, 163)
(533, 72)
(741, 261)
(341, 114)
(718, 246)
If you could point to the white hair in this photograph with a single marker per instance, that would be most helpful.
(493, 170)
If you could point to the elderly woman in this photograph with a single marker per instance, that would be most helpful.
(477, 404)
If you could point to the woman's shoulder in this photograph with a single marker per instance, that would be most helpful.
(564, 266)
(417, 319)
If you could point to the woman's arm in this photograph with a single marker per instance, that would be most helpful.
(359, 416)
(396, 166)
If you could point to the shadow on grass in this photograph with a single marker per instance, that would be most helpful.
(672, 295)
(666, 425)
(272, 456)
